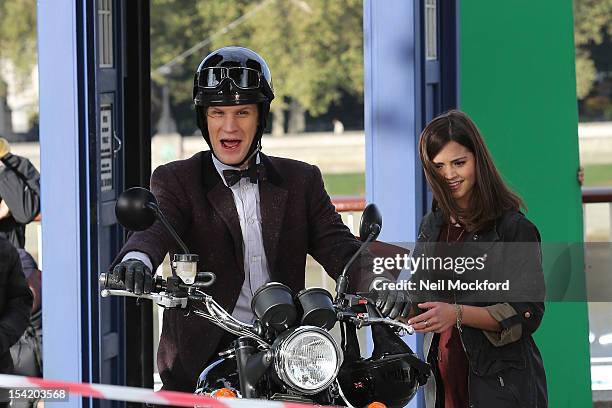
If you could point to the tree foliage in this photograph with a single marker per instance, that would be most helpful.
(18, 33)
(592, 22)
(314, 47)
(17, 47)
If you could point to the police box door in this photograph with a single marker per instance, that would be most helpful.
(106, 168)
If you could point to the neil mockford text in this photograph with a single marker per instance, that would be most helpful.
(442, 285)
(457, 264)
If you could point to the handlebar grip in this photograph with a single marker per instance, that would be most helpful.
(110, 281)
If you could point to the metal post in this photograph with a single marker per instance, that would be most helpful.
(392, 117)
(62, 120)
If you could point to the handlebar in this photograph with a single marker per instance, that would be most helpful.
(162, 294)
(203, 280)
(112, 286)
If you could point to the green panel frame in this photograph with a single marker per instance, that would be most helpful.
(517, 81)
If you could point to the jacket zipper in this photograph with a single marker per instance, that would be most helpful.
(466, 356)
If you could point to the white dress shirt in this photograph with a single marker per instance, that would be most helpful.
(256, 273)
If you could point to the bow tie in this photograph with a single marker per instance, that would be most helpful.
(253, 173)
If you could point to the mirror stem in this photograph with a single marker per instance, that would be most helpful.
(160, 216)
(342, 282)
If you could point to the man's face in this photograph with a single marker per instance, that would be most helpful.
(231, 130)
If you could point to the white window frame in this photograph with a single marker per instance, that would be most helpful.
(105, 34)
(431, 30)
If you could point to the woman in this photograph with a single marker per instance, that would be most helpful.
(482, 353)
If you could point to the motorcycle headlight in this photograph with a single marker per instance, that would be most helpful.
(308, 359)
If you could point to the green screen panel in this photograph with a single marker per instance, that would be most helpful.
(517, 81)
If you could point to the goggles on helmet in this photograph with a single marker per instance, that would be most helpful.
(243, 78)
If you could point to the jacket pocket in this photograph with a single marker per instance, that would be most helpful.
(487, 359)
(493, 391)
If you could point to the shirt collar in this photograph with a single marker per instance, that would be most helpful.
(222, 166)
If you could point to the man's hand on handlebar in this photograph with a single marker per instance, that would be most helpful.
(391, 303)
(136, 276)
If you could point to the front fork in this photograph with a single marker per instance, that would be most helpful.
(251, 364)
(244, 349)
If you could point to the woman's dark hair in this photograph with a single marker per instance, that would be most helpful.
(490, 196)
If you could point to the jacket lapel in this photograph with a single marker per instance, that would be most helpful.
(221, 199)
(431, 228)
(273, 200)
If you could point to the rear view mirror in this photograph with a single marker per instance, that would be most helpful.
(371, 223)
(135, 209)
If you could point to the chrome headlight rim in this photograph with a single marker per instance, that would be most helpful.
(281, 349)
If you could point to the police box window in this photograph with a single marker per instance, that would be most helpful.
(105, 33)
(431, 27)
(106, 148)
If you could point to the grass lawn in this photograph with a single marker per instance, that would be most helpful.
(598, 175)
(353, 184)
(349, 184)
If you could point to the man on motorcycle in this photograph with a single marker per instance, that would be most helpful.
(250, 218)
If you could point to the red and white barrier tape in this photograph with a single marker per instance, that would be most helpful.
(133, 394)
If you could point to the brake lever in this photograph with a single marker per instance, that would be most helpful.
(364, 319)
(371, 307)
(391, 322)
(161, 299)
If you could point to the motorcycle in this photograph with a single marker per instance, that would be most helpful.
(287, 353)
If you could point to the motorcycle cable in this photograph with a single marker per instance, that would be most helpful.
(224, 320)
(346, 401)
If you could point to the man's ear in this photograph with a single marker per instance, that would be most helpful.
(262, 117)
(201, 118)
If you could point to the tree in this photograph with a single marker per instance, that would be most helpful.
(314, 47)
(592, 21)
(17, 41)
(18, 33)
(175, 27)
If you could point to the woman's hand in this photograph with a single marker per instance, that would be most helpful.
(4, 210)
(438, 317)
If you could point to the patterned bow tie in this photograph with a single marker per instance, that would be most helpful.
(253, 173)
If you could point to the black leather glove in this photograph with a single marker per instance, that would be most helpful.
(136, 276)
(391, 303)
